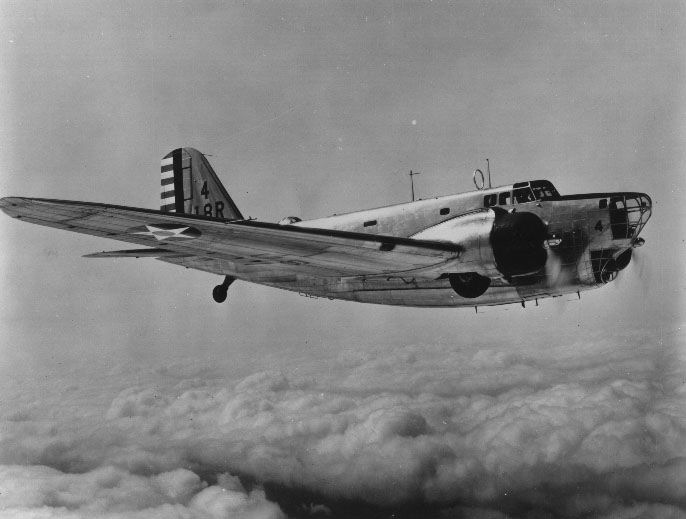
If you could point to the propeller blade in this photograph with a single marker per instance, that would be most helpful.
(555, 272)
(643, 269)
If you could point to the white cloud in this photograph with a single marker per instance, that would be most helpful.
(39, 491)
(594, 430)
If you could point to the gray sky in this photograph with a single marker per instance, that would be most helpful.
(307, 110)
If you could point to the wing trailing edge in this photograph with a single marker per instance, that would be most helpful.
(137, 253)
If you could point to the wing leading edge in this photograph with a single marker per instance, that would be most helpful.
(242, 245)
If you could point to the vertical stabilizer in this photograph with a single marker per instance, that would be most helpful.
(190, 186)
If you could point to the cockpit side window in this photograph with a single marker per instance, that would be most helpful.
(504, 198)
(490, 200)
(523, 195)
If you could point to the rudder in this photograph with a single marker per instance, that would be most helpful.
(190, 186)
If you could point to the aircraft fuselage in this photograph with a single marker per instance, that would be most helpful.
(508, 244)
(589, 239)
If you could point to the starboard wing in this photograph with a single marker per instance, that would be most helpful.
(201, 242)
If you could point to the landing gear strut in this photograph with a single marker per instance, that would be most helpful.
(219, 292)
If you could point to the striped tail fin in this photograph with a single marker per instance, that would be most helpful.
(190, 186)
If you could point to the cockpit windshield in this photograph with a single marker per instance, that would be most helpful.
(544, 190)
(523, 193)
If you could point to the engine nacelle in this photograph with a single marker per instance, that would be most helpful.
(517, 240)
(496, 243)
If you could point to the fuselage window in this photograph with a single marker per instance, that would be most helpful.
(504, 198)
(444, 210)
(523, 195)
(602, 204)
(619, 219)
(369, 223)
(490, 200)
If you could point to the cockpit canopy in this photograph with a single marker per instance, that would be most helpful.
(523, 192)
(543, 190)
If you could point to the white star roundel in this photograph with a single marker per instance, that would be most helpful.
(167, 231)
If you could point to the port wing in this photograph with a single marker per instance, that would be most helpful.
(203, 241)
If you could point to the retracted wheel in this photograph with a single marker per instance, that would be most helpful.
(469, 284)
(220, 291)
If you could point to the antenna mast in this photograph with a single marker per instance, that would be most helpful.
(412, 174)
(481, 184)
(488, 171)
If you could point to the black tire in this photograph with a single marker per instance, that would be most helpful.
(469, 285)
(219, 293)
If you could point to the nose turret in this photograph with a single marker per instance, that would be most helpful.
(629, 212)
(642, 215)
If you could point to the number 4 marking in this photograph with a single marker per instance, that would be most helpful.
(205, 191)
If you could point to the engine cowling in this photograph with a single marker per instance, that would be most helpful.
(497, 243)
(517, 242)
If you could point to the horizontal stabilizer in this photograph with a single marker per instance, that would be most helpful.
(136, 253)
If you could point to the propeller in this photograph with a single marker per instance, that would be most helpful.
(553, 268)
(639, 258)
(556, 275)
(634, 260)
(639, 261)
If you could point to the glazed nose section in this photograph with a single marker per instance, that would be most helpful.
(647, 204)
(639, 208)
(517, 242)
(641, 201)
(629, 212)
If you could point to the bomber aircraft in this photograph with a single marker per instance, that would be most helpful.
(493, 246)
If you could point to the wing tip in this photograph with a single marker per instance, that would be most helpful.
(5, 200)
(9, 203)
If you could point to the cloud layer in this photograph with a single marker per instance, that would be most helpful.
(596, 428)
(40, 491)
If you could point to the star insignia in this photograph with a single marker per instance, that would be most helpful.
(162, 234)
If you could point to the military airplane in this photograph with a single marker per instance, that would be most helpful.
(495, 245)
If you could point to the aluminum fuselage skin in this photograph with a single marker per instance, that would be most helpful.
(582, 222)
